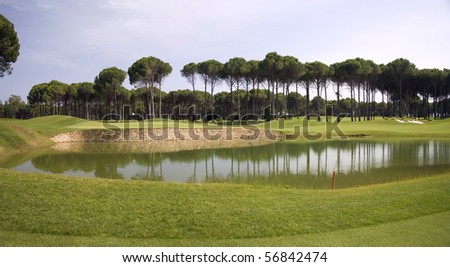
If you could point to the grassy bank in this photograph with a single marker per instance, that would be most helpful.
(43, 210)
(51, 210)
(21, 135)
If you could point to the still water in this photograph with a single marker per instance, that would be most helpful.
(309, 165)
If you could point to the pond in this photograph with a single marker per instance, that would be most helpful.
(305, 165)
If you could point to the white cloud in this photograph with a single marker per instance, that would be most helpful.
(53, 59)
(123, 4)
(13, 4)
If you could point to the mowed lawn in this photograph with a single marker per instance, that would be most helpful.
(378, 128)
(52, 210)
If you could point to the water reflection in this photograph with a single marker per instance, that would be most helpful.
(302, 165)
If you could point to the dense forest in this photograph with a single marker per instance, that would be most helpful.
(274, 86)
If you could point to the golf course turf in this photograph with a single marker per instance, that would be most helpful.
(53, 210)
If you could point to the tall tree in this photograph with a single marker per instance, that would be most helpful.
(339, 77)
(366, 79)
(69, 99)
(291, 71)
(108, 83)
(271, 67)
(353, 71)
(371, 88)
(38, 98)
(361, 79)
(382, 85)
(214, 70)
(189, 72)
(400, 70)
(233, 72)
(435, 80)
(9, 46)
(163, 70)
(254, 75)
(202, 70)
(320, 73)
(144, 72)
(326, 80)
(57, 90)
(307, 78)
(244, 71)
(210, 71)
(13, 105)
(85, 93)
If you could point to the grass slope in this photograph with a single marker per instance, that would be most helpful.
(48, 210)
(20, 135)
(51, 125)
(15, 137)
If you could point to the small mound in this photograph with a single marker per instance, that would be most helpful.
(56, 120)
(52, 125)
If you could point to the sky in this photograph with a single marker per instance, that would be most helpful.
(73, 40)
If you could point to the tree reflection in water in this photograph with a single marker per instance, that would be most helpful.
(307, 165)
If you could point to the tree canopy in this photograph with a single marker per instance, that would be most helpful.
(9, 46)
(147, 72)
(108, 83)
(262, 87)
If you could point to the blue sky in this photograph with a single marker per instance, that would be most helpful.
(73, 40)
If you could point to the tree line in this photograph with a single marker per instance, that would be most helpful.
(269, 87)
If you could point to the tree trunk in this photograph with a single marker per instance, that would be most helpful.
(318, 100)
(160, 101)
(238, 97)
(338, 96)
(352, 105)
(150, 100)
(400, 101)
(307, 100)
(359, 102)
(246, 97)
(368, 102)
(275, 103)
(86, 108)
(115, 101)
(326, 101)
(435, 101)
(231, 95)
(206, 91)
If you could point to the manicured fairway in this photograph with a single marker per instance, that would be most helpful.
(46, 210)
(52, 210)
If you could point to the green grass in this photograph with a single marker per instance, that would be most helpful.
(379, 127)
(16, 137)
(25, 134)
(49, 210)
(51, 125)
